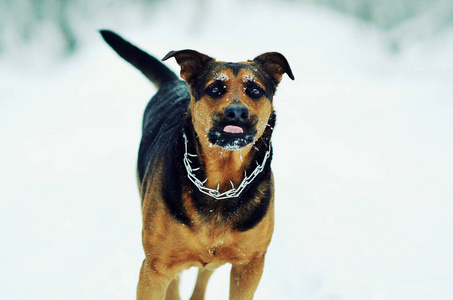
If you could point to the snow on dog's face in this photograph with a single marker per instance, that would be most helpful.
(231, 102)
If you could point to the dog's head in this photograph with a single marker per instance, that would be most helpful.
(231, 102)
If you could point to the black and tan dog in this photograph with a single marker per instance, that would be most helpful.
(204, 168)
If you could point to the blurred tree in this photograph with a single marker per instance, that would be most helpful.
(22, 21)
(384, 13)
(403, 20)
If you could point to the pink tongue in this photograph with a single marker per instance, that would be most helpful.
(233, 129)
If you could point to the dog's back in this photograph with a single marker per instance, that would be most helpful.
(163, 122)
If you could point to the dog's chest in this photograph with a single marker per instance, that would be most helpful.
(214, 248)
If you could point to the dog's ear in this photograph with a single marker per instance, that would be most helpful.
(190, 61)
(275, 64)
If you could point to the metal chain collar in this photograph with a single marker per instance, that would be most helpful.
(216, 193)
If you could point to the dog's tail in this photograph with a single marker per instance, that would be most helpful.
(151, 67)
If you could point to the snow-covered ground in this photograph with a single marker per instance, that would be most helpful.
(363, 159)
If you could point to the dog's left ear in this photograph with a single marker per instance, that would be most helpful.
(190, 61)
(275, 64)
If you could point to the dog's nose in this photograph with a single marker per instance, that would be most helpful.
(236, 113)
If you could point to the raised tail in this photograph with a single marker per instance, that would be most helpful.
(151, 67)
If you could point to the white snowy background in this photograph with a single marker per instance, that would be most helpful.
(363, 156)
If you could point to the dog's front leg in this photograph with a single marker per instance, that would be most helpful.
(200, 286)
(244, 278)
(151, 285)
(173, 290)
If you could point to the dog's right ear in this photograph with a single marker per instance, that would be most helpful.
(190, 61)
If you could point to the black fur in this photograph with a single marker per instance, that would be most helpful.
(172, 185)
(163, 125)
(163, 122)
(251, 217)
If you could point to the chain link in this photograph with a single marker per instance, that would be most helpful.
(232, 193)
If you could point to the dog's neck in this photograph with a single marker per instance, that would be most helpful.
(225, 167)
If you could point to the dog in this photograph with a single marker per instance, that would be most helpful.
(204, 168)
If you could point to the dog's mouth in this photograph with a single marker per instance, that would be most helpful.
(231, 136)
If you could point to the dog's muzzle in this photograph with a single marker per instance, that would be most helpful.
(233, 129)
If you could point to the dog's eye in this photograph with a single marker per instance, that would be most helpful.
(254, 92)
(216, 90)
